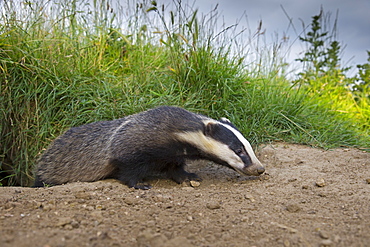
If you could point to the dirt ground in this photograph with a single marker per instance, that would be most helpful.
(308, 197)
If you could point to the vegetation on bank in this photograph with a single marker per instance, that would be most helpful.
(67, 63)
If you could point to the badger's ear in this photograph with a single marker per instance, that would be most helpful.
(225, 120)
(210, 128)
(228, 122)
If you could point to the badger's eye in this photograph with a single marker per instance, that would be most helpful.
(239, 151)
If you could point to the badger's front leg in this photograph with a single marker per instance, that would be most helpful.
(179, 175)
(132, 173)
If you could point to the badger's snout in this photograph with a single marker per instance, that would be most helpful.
(260, 170)
(253, 170)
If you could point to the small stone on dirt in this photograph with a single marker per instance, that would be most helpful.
(63, 221)
(264, 177)
(326, 243)
(286, 243)
(194, 183)
(293, 208)
(368, 180)
(74, 224)
(320, 182)
(249, 197)
(130, 201)
(82, 195)
(100, 207)
(189, 218)
(323, 235)
(213, 205)
(159, 198)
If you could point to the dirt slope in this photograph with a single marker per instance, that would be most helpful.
(309, 197)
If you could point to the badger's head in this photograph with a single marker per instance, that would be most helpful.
(221, 142)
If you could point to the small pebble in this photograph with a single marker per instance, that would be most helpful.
(336, 239)
(249, 197)
(293, 208)
(74, 224)
(63, 221)
(159, 198)
(189, 218)
(130, 201)
(213, 205)
(320, 182)
(323, 235)
(286, 243)
(326, 243)
(368, 180)
(100, 207)
(194, 183)
(82, 195)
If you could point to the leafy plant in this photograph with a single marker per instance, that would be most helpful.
(361, 88)
(323, 51)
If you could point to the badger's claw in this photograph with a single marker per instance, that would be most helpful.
(143, 186)
(139, 185)
(184, 176)
(194, 177)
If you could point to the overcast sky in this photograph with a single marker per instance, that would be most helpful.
(353, 20)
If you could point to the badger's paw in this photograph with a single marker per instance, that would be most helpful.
(143, 186)
(194, 177)
(139, 185)
(183, 176)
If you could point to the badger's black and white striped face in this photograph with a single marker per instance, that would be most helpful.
(221, 142)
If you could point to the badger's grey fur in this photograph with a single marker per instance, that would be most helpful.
(138, 147)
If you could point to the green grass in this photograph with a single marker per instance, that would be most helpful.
(67, 64)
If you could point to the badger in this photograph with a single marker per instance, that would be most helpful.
(136, 148)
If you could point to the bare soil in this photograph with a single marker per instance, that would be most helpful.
(308, 197)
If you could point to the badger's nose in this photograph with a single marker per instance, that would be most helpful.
(260, 170)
